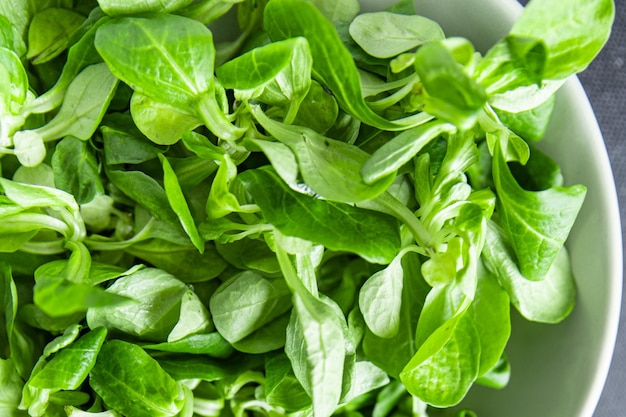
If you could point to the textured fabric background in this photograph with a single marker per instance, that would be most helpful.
(605, 83)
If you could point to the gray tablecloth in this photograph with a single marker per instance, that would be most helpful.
(605, 83)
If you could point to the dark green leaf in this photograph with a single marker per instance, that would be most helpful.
(184, 262)
(341, 227)
(49, 33)
(76, 170)
(122, 147)
(211, 344)
(178, 203)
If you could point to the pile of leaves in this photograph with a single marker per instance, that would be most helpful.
(330, 213)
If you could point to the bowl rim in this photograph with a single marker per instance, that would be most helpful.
(573, 90)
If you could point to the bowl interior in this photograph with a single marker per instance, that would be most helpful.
(557, 370)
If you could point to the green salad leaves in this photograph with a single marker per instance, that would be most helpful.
(328, 213)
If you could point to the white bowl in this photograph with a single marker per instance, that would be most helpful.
(557, 370)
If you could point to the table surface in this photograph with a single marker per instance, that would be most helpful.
(605, 84)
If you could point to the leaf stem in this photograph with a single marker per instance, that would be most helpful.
(214, 119)
(387, 203)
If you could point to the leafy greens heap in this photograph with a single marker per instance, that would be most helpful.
(330, 214)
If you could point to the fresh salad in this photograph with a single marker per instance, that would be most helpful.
(329, 213)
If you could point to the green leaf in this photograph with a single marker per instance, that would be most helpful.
(386, 34)
(538, 222)
(11, 393)
(86, 100)
(182, 367)
(316, 334)
(161, 122)
(145, 191)
(341, 227)
(282, 159)
(76, 170)
(246, 302)
(79, 56)
(63, 288)
(451, 94)
(491, 316)
(34, 196)
(182, 261)
(316, 350)
(392, 155)
(211, 344)
(380, 299)
(156, 311)
(8, 292)
(49, 33)
(194, 318)
(254, 69)
(121, 7)
(329, 167)
(338, 10)
(339, 73)
(266, 339)
(512, 63)
(318, 111)
(539, 173)
(21, 344)
(222, 201)
(21, 12)
(253, 254)
(29, 148)
(122, 147)
(70, 366)
(571, 43)
(149, 393)
(14, 84)
(168, 58)
(446, 365)
(8, 36)
(178, 203)
(531, 124)
(282, 389)
(497, 377)
(547, 301)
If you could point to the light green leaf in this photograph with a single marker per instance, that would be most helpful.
(446, 365)
(547, 301)
(149, 393)
(385, 34)
(49, 33)
(538, 222)
(178, 203)
(246, 302)
(69, 367)
(156, 311)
